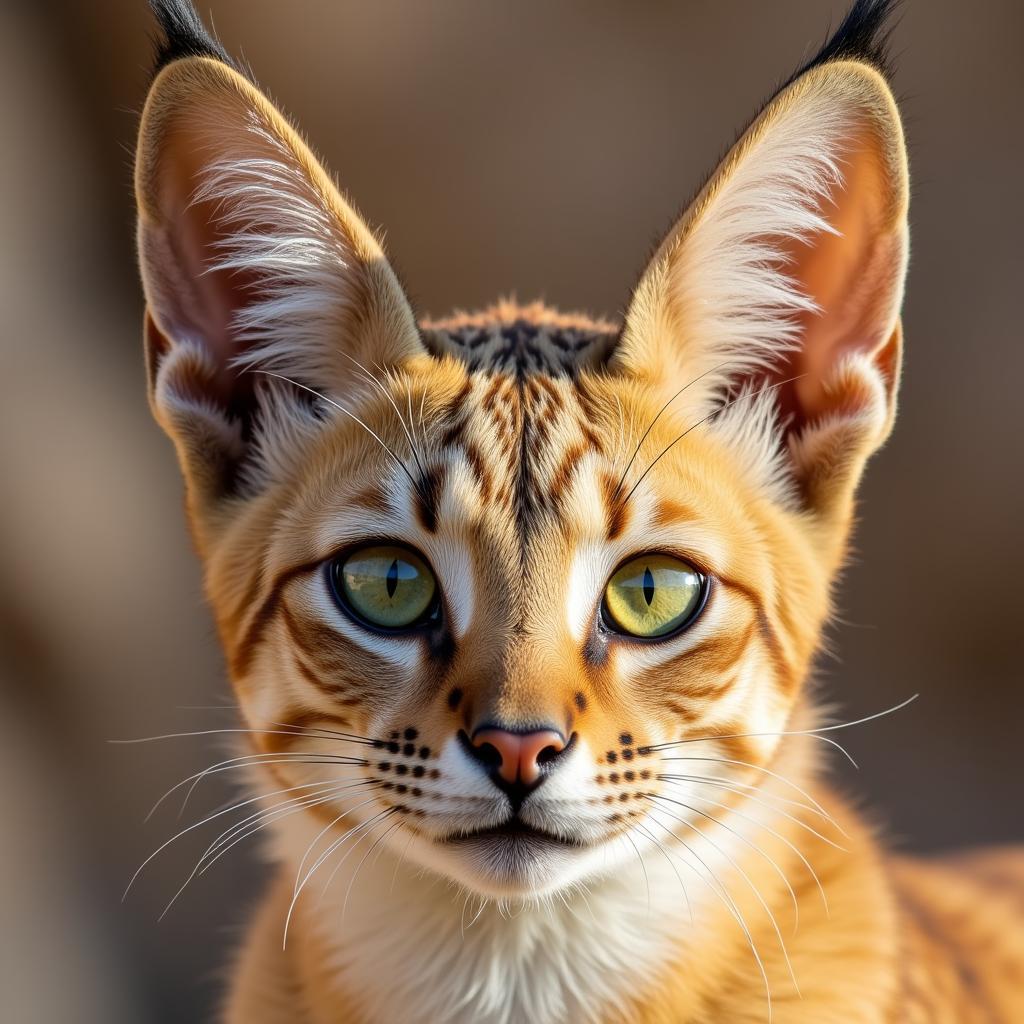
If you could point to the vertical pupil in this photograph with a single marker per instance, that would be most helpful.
(391, 581)
(648, 586)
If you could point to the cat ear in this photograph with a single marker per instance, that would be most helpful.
(251, 262)
(790, 264)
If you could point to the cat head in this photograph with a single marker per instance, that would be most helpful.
(477, 579)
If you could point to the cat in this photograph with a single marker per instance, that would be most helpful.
(520, 606)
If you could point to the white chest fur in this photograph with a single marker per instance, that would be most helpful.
(409, 946)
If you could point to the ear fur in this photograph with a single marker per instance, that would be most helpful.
(250, 259)
(790, 264)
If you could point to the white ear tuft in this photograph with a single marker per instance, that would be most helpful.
(251, 261)
(787, 272)
(278, 233)
(728, 275)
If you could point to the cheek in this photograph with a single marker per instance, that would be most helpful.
(716, 677)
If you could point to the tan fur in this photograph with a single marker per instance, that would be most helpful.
(525, 421)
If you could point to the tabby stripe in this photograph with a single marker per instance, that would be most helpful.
(552, 392)
(723, 652)
(565, 472)
(591, 438)
(458, 424)
(305, 670)
(241, 657)
(478, 465)
(308, 719)
(616, 510)
(425, 497)
(785, 673)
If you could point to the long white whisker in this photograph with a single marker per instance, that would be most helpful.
(727, 901)
(746, 842)
(355, 874)
(205, 862)
(643, 868)
(796, 732)
(207, 820)
(267, 815)
(809, 828)
(312, 846)
(775, 834)
(661, 848)
(770, 774)
(350, 415)
(371, 379)
(349, 833)
(743, 874)
(255, 760)
(329, 734)
(749, 790)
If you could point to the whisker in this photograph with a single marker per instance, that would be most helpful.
(794, 732)
(727, 901)
(754, 735)
(371, 379)
(743, 874)
(363, 740)
(769, 800)
(255, 760)
(269, 815)
(746, 842)
(643, 868)
(739, 398)
(349, 833)
(661, 848)
(359, 866)
(205, 862)
(400, 860)
(350, 415)
(476, 917)
(207, 820)
(772, 832)
(258, 760)
(312, 846)
(770, 774)
(810, 828)
(644, 436)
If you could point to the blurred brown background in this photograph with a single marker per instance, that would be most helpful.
(506, 147)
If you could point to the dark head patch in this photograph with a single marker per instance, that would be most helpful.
(522, 347)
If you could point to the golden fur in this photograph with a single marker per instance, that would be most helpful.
(527, 453)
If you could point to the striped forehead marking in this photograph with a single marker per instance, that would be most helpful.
(523, 347)
(523, 439)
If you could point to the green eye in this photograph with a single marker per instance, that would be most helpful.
(385, 585)
(653, 595)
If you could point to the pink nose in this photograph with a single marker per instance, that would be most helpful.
(521, 754)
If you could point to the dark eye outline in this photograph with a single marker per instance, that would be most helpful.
(431, 617)
(611, 628)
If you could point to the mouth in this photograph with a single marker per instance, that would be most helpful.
(516, 859)
(516, 837)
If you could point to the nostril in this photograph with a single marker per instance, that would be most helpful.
(487, 754)
(549, 753)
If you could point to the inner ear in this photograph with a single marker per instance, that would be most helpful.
(212, 285)
(263, 285)
(848, 275)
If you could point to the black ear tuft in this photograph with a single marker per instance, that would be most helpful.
(183, 34)
(863, 35)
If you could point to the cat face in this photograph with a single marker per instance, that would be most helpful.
(516, 594)
(517, 603)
